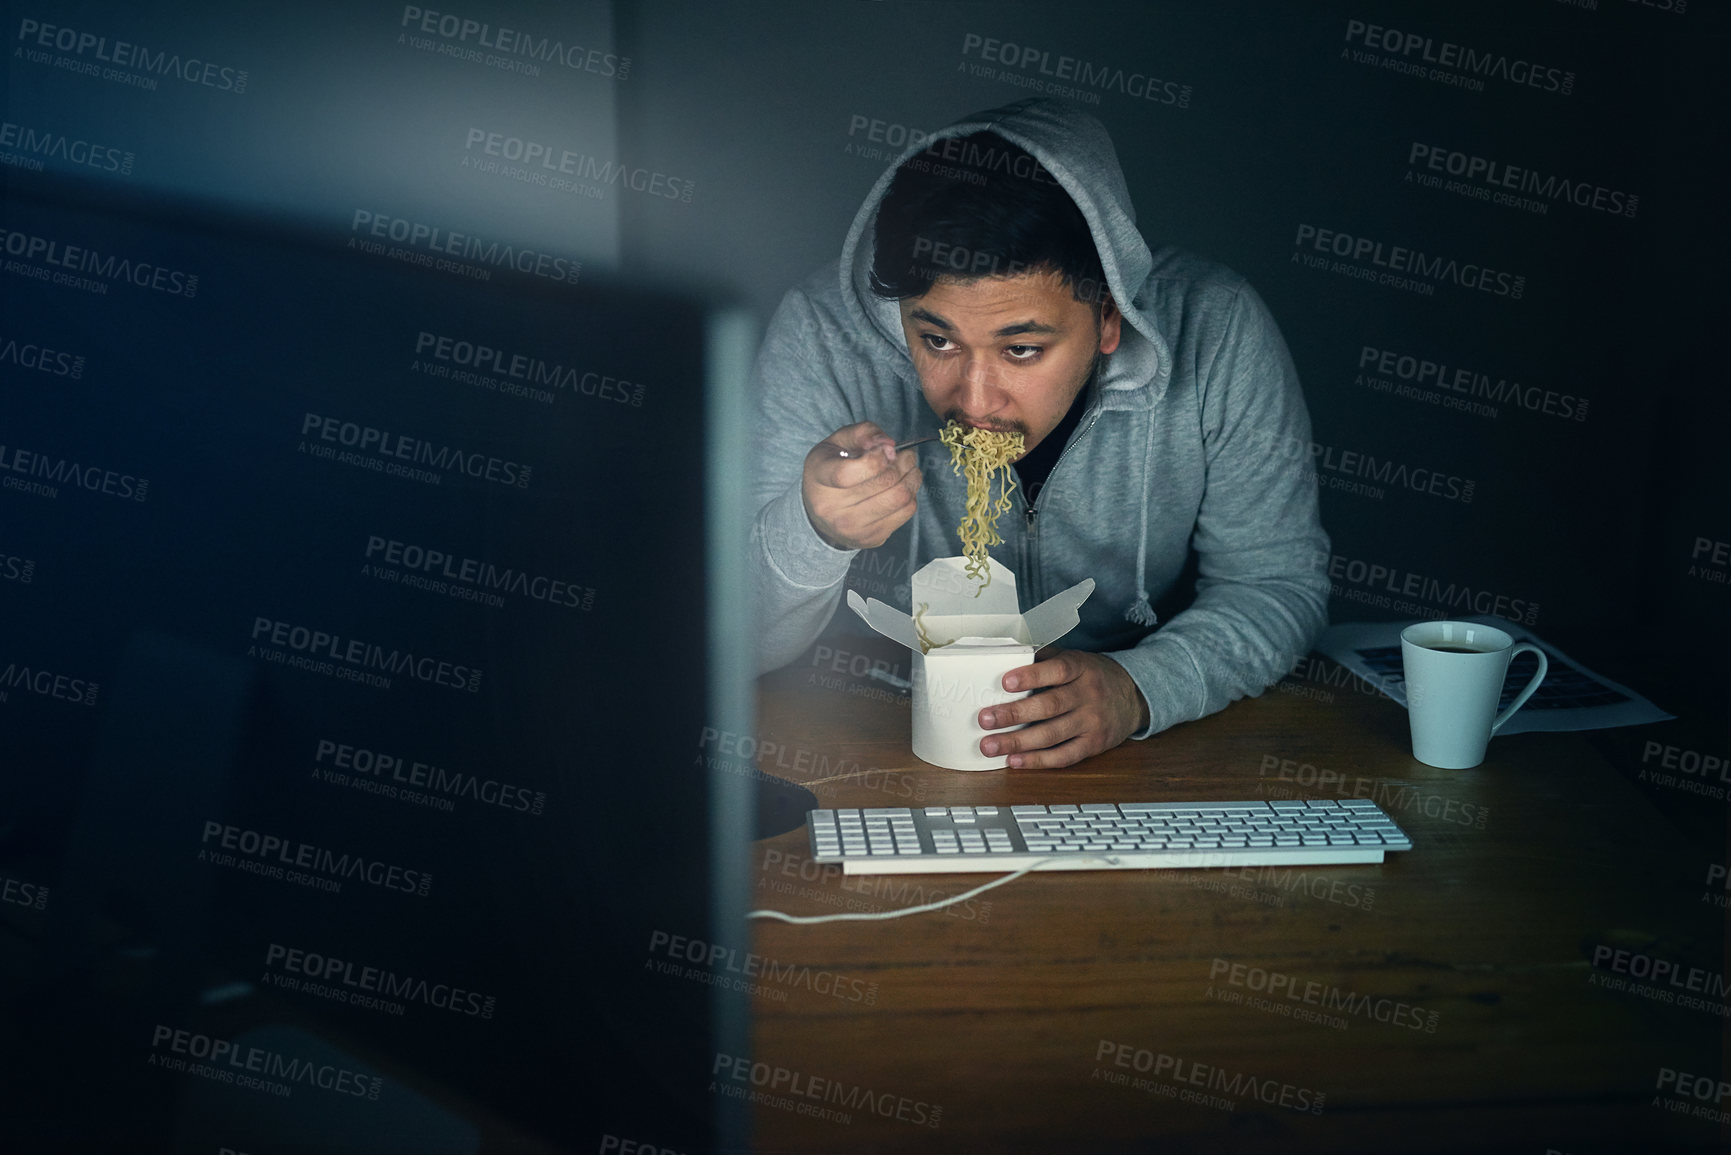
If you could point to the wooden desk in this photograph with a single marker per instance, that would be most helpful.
(1072, 1011)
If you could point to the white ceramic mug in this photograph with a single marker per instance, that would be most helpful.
(1454, 676)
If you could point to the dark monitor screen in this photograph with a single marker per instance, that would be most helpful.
(353, 699)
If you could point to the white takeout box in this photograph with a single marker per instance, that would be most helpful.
(975, 642)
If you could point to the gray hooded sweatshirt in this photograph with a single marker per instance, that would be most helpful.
(1193, 448)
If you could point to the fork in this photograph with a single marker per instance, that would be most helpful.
(899, 448)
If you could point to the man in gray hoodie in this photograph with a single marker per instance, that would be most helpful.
(995, 276)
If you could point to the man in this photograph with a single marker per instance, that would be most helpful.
(996, 277)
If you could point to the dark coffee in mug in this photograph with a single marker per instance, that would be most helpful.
(1453, 649)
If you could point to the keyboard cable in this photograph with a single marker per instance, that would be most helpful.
(873, 916)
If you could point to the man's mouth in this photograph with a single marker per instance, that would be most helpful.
(989, 426)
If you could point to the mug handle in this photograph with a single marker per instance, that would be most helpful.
(1521, 698)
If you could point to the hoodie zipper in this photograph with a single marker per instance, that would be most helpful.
(1036, 582)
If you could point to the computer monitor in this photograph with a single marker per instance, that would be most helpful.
(378, 604)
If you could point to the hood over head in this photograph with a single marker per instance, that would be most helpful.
(1074, 148)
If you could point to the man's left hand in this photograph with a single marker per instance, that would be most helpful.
(1082, 704)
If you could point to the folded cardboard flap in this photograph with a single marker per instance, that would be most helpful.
(886, 620)
(946, 632)
(1058, 614)
(976, 641)
(944, 587)
(952, 611)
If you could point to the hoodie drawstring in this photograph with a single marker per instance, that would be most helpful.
(1141, 611)
(913, 552)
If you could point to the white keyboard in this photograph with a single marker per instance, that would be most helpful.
(1102, 836)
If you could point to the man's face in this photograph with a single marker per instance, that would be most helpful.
(1005, 353)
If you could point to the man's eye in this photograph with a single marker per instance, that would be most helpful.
(935, 343)
(1023, 352)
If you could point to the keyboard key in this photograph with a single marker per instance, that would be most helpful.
(1146, 833)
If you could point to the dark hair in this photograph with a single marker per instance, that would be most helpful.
(977, 206)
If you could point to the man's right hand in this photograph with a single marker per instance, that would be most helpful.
(857, 501)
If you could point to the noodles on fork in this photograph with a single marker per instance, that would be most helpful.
(980, 455)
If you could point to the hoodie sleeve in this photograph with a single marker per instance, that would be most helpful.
(797, 576)
(1262, 591)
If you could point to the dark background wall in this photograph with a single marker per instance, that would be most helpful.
(745, 137)
(1584, 489)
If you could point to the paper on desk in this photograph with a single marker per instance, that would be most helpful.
(1571, 697)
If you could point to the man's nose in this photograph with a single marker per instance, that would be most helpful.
(979, 391)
